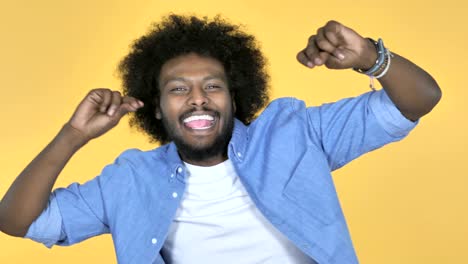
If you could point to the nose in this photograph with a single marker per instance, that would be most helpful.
(198, 96)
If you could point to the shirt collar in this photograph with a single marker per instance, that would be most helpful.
(239, 139)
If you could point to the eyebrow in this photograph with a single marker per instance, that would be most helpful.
(207, 78)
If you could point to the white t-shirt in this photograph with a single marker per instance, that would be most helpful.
(217, 222)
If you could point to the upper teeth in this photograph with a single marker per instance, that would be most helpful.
(198, 117)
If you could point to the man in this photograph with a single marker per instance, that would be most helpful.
(227, 186)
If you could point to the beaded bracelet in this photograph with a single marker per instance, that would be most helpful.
(380, 48)
(382, 64)
(387, 63)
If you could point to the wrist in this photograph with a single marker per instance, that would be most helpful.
(72, 136)
(369, 54)
(382, 63)
(381, 54)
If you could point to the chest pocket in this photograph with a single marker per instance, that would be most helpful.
(311, 188)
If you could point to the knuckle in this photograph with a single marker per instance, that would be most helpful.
(303, 60)
(300, 56)
(330, 35)
(309, 53)
(324, 56)
(323, 44)
(332, 23)
(319, 31)
(332, 27)
(320, 42)
(102, 90)
(95, 91)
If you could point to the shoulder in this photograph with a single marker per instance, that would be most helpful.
(285, 103)
(282, 119)
(137, 157)
(134, 162)
(285, 107)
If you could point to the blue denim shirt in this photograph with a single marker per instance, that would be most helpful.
(284, 159)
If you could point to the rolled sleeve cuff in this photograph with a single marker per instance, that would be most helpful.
(47, 228)
(388, 115)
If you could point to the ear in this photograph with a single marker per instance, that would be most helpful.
(157, 110)
(234, 107)
(157, 113)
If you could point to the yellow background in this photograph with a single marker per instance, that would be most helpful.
(405, 203)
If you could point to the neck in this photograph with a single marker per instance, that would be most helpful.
(206, 161)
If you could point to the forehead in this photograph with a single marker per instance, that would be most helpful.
(191, 65)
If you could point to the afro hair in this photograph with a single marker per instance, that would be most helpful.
(176, 35)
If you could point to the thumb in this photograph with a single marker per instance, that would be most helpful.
(124, 109)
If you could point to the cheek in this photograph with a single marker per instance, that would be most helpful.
(170, 107)
(225, 102)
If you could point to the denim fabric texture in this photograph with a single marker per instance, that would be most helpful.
(284, 160)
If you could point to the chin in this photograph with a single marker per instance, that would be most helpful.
(201, 145)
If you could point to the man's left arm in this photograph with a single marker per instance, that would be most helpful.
(413, 91)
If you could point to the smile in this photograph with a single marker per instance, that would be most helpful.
(199, 122)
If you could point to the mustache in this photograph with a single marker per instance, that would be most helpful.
(200, 109)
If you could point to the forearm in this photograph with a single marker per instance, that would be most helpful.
(28, 195)
(412, 90)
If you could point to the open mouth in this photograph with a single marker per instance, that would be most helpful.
(199, 122)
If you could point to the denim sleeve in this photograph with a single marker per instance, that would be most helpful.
(81, 211)
(351, 127)
(47, 228)
(73, 214)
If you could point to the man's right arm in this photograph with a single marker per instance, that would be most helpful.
(27, 197)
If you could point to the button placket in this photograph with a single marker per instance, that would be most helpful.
(171, 177)
(179, 173)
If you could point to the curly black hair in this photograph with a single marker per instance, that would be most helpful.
(176, 35)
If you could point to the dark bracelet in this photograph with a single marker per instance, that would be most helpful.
(379, 63)
(382, 64)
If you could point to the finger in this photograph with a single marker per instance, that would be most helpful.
(124, 109)
(303, 59)
(332, 31)
(135, 103)
(314, 54)
(116, 100)
(322, 58)
(102, 98)
(322, 42)
(131, 105)
(308, 55)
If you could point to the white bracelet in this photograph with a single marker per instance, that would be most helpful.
(389, 57)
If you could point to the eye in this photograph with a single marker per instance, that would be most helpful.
(212, 87)
(178, 89)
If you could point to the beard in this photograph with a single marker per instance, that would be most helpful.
(198, 153)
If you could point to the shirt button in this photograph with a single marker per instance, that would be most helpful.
(172, 175)
(174, 194)
(154, 241)
(179, 170)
